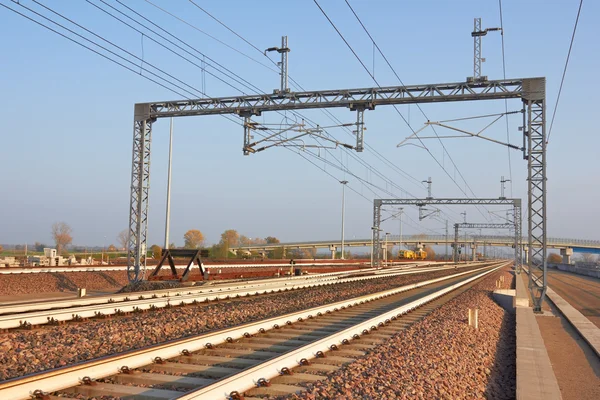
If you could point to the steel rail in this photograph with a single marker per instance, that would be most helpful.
(107, 268)
(248, 378)
(15, 307)
(64, 377)
(53, 316)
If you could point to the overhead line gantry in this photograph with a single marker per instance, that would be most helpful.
(530, 90)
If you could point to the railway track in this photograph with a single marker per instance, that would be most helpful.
(240, 358)
(32, 314)
(108, 268)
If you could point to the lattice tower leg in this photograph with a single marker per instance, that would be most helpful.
(517, 222)
(360, 129)
(138, 205)
(477, 50)
(536, 160)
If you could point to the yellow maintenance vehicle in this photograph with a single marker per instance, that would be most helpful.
(420, 255)
(406, 255)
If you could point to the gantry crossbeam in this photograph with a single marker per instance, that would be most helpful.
(350, 98)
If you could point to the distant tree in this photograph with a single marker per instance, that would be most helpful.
(39, 246)
(306, 253)
(277, 253)
(230, 237)
(123, 239)
(172, 245)
(430, 253)
(245, 240)
(271, 240)
(1, 248)
(218, 251)
(112, 248)
(588, 257)
(61, 233)
(156, 251)
(554, 258)
(193, 239)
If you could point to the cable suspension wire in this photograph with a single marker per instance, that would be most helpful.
(109, 42)
(207, 34)
(232, 120)
(229, 74)
(167, 81)
(506, 101)
(225, 26)
(114, 61)
(331, 116)
(398, 111)
(562, 80)
(255, 88)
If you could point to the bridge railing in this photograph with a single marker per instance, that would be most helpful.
(509, 240)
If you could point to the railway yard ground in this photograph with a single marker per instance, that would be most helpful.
(338, 332)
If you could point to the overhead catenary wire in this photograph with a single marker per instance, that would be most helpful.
(354, 156)
(506, 100)
(203, 32)
(369, 148)
(121, 64)
(184, 96)
(187, 97)
(562, 80)
(398, 111)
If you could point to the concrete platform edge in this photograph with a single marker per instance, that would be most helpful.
(535, 377)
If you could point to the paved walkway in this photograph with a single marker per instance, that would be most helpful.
(582, 292)
(575, 364)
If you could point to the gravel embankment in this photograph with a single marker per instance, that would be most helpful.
(52, 282)
(440, 357)
(23, 352)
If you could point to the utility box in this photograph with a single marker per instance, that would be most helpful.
(81, 292)
(50, 253)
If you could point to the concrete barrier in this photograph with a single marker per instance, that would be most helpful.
(505, 298)
(576, 270)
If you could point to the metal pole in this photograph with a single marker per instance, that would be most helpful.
(385, 254)
(446, 240)
(372, 235)
(284, 64)
(168, 213)
(400, 239)
(343, 212)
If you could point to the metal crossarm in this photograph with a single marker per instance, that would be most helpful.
(350, 98)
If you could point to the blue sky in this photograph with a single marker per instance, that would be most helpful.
(67, 118)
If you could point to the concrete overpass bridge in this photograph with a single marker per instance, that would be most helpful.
(566, 246)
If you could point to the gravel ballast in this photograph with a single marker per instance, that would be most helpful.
(23, 352)
(439, 357)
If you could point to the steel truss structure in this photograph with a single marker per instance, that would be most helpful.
(516, 223)
(470, 225)
(530, 90)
